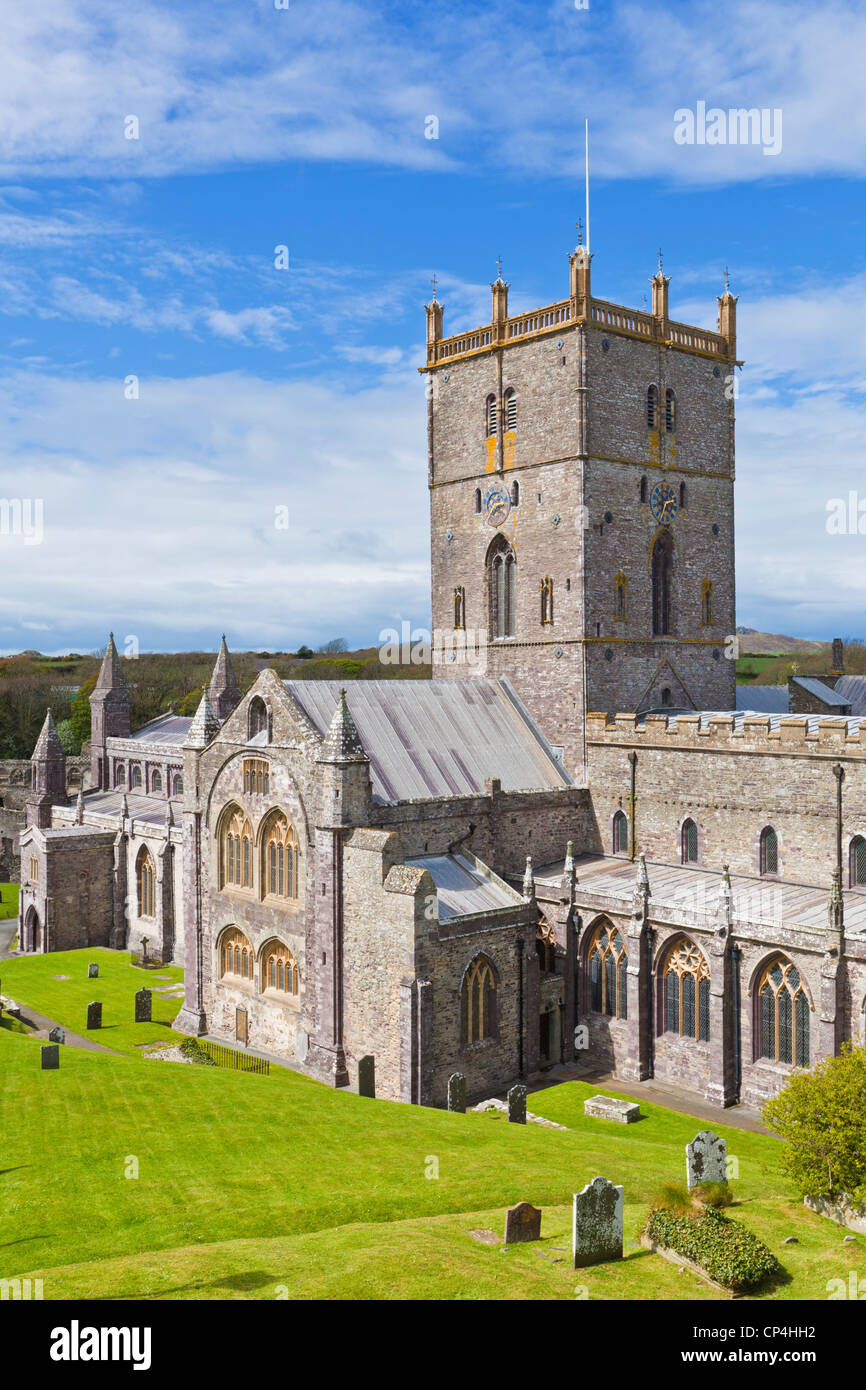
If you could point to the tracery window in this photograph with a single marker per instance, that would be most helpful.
(257, 776)
(687, 993)
(769, 851)
(500, 582)
(280, 860)
(478, 1001)
(620, 833)
(237, 842)
(279, 969)
(146, 879)
(547, 600)
(689, 842)
(236, 955)
(608, 972)
(784, 1009)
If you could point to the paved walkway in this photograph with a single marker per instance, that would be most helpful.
(8, 928)
(44, 1025)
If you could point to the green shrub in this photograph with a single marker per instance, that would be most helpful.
(191, 1047)
(821, 1116)
(724, 1250)
(713, 1194)
(673, 1196)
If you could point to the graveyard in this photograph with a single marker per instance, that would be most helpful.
(125, 1177)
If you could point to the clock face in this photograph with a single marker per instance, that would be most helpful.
(497, 505)
(663, 502)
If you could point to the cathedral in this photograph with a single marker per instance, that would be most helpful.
(569, 846)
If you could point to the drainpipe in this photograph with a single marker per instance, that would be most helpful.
(735, 957)
(632, 757)
(520, 1068)
(839, 774)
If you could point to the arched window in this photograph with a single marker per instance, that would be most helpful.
(236, 850)
(146, 878)
(607, 960)
(478, 1001)
(666, 694)
(178, 785)
(643, 489)
(662, 584)
(620, 833)
(258, 717)
(652, 407)
(500, 588)
(490, 415)
(620, 592)
(477, 503)
(236, 955)
(687, 993)
(515, 493)
(460, 606)
(857, 862)
(545, 947)
(769, 851)
(683, 497)
(706, 603)
(135, 776)
(156, 782)
(279, 969)
(509, 405)
(688, 839)
(784, 1010)
(670, 411)
(280, 860)
(120, 775)
(34, 869)
(546, 600)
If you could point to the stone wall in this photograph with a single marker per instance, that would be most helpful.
(70, 904)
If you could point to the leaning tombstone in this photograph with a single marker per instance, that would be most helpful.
(517, 1105)
(597, 1224)
(93, 971)
(94, 1015)
(57, 1035)
(522, 1222)
(367, 1077)
(706, 1159)
(50, 1057)
(457, 1092)
(143, 1006)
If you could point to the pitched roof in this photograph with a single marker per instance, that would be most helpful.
(762, 699)
(48, 744)
(111, 675)
(343, 743)
(204, 727)
(438, 738)
(821, 691)
(852, 689)
(465, 885)
(166, 728)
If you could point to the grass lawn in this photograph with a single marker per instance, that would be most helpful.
(33, 980)
(9, 900)
(247, 1185)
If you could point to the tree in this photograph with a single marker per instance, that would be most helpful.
(66, 734)
(336, 644)
(821, 1116)
(304, 653)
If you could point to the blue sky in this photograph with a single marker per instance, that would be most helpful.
(261, 388)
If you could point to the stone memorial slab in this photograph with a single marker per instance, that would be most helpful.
(94, 1015)
(522, 1222)
(57, 1035)
(143, 1006)
(50, 1057)
(93, 971)
(367, 1077)
(597, 1224)
(517, 1105)
(457, 1092)
(706, 1159)
(605, 1108)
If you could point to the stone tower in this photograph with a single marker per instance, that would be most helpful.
(224, 691)
(110, 712)
(47, 776)
(581, 472)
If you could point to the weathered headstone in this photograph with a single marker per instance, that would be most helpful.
(522, 1222)
(367, 1077)
(57, 1035)
(50, 1057)
(93, 971)
(457, 1092)
(517, 1105)
(94, 1015)
(606, 1108)
(597, 1225)
(143, 1006)
(706, 1159)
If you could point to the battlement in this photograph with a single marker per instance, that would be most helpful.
(833, 734)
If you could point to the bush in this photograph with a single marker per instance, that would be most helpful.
(192, 1048)
(724, 1250)
(713, 1194)
(821, 1116)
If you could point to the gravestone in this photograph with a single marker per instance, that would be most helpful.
(706, 1159)
(605, 1108)
(50, 1057)
(93, 971)
(367, 1077)
(457, 1092)
(522, 1222)
(517, 1105)
(94, 1015)
(143, 1006)
(57, 1035)
(597, 1225)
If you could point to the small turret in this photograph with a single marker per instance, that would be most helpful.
(346, 782)
(728, 319)
(110, 712)
(47, 776)
(204, 727)
(224, 691)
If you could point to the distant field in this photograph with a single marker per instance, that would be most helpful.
(750, 667)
